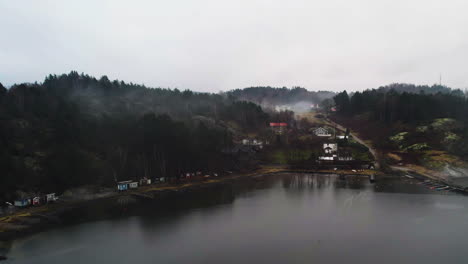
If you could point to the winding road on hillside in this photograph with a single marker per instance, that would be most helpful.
(439, 176)
(372, 150)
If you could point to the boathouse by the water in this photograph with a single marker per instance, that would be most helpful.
(123, 185)
(145, 181)
(22, 202)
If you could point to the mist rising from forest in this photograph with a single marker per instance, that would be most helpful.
(298, 107)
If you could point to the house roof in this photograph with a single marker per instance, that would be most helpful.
(321, 130)
(278, 124)
(330, 146)
(124, 182)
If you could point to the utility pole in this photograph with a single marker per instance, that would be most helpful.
(440, 79)
(334, 129)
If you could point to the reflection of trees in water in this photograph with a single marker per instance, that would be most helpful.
(400, 186)
(300, 182)
(169, 207)
(354, 182)
(168, 212)
(126, 200)
(350, 182)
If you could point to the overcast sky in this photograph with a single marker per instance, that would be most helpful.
(213, 45)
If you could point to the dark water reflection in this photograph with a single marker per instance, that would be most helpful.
(275, 219)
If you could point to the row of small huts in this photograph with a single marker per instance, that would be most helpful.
(35, 200)
(130, 184)
(126, 185)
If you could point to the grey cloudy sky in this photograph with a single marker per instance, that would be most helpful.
(212, 45)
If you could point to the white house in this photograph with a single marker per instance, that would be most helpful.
(50, 197)
(252, 142)
(145, 181)
(322, 132)
(330, 148)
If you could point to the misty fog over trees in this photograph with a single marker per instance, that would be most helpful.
(271, 96)
(74, 129)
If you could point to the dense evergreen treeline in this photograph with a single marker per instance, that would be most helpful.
(393, 106)
(425, 120)
(270, 96)
(75, 130)
(117, 97)
(412, 88)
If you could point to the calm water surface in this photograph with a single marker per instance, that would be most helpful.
(290, 218)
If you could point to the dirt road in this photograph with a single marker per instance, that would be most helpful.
(372, 150)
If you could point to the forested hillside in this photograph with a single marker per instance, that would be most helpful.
(74, 129)
(411, 123)
(412, 88)
(270, 96)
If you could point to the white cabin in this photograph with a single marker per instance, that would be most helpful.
(330, 148)
(322, 132)
(51, 197)
(325, 158)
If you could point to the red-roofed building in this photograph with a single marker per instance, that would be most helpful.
(279, 128)
(278, 124)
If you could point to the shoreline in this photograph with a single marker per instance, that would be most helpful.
(429, 174)
(418, 170)
(37, 219)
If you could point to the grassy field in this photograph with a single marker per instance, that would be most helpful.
(286, 156)
(436, 159)
(311, 117)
